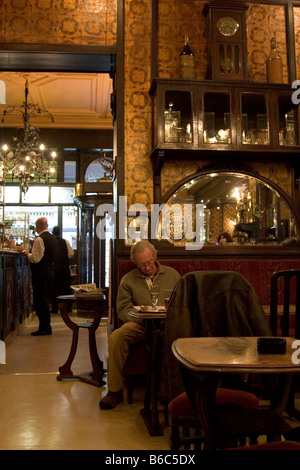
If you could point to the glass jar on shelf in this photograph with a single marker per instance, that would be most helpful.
(217, 118)
(178, 116)
(262, 129)
(209, 132)
(172, 124)
(255, 119)
(290, 129)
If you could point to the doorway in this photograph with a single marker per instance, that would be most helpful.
(86, 67)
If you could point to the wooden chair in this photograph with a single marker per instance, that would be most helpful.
(285, 285)
(279, 445)
(285, 291)
(186, 426)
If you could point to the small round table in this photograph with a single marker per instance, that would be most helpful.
(91, 306)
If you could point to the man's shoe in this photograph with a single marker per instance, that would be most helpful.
(111, 400)
(41, 333)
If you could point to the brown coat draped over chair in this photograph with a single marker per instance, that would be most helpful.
(208, 303)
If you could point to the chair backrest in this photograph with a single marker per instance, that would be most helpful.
(209, 303)
(285, 285)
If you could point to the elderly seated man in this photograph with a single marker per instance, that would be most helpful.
(134, 289)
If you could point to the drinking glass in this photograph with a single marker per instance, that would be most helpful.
(167, 295)
(154, 296)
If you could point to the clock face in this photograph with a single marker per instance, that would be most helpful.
(228, 26)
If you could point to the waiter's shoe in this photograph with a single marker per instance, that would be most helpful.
(41, 333)
(111, 400)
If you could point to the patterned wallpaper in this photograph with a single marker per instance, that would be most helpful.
(138, 168)
(263, 23)
(174, 21)
(84, 22)
(297, 38)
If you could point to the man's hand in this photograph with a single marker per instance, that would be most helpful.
(25, 252)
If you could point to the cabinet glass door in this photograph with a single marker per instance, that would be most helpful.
(288, 122)
(216, 122)
(255, 119)
(178, 117)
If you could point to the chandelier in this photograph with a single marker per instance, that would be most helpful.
(27, 160)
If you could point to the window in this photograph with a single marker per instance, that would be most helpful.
(70, 172)
(62, 195)
(36, 194)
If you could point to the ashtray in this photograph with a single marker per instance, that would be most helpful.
(271, 345)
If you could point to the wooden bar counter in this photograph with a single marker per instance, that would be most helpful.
(15, 291)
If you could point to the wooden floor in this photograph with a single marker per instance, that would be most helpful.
(40, 413)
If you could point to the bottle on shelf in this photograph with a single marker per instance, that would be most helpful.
(187, 61)
(274, 65)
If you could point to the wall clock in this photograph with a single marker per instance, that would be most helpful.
(226, 39)
(228, 26)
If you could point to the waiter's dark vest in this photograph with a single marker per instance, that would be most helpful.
(47, 261)
(61, 256)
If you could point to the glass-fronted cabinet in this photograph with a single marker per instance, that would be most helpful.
(204, 114)
(174, 117)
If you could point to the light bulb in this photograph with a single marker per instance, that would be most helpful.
(42, 146)
(53, 154)
(21, 167)
(5, 147)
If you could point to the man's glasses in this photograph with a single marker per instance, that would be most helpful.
(148, 263)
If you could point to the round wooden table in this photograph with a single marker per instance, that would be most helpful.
(203, 361)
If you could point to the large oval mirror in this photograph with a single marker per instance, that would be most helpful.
(243, 208)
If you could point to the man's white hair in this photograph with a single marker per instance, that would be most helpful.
(141, 246)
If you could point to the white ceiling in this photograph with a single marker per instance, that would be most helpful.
(75, 100)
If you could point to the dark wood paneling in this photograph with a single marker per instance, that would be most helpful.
(15, 292)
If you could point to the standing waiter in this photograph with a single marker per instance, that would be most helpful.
(41, 261)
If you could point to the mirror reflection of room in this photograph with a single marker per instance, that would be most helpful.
(247, 209)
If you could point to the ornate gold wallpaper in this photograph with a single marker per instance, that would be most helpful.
(263, 23)
(175, 19)
(297, 38)
(138, 168)
(84, 22)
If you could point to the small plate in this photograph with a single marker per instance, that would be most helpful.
(144, 308)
